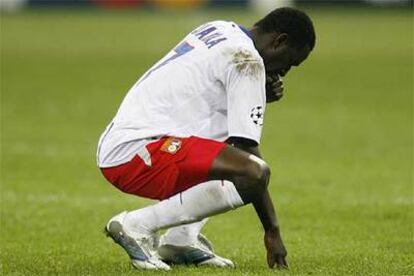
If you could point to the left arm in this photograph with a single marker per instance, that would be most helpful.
(247, 94)
(276, 251)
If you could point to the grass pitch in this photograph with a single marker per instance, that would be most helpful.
(340, 144)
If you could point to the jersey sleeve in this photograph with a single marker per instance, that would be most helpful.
(246, 97)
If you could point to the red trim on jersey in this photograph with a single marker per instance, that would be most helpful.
(177, 164)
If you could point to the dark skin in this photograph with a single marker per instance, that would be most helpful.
(279, 55)
(235, 164)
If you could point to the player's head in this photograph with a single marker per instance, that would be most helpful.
(284, 38)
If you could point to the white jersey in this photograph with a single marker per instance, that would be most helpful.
(211, 85)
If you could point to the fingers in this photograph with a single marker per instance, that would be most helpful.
(286, 263)
(279, 260)
(276, 91)
(277, 88)
(282, 263)
(270, 260)
(276, 251)
(269, 79)
(274, 88)
(272, 77)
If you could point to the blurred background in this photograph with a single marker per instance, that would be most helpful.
(259, 5)
(340, 143)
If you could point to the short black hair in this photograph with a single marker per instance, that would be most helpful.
(293, 22)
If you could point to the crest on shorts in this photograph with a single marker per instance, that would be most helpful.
(171, 145)
(257, 115)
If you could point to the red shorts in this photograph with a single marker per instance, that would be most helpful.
(177, 164)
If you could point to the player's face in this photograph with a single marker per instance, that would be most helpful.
(281, 56)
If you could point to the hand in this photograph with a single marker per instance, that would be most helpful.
(274, 88)
(276, 252)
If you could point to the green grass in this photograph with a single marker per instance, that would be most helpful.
(340, 144)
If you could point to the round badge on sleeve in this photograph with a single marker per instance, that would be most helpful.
(171, 145)
(257, 114)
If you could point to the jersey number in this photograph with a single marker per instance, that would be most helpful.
(180, 50)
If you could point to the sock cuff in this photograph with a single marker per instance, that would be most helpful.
(233, 197)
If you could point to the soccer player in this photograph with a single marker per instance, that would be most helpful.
(187, 134)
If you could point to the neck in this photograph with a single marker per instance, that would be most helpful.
(256, 36)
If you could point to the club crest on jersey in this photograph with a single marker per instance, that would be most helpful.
(257, 114)
(171, 145)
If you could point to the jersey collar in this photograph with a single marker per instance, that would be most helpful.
(246, 31)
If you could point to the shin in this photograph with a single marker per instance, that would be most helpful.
(201, 201)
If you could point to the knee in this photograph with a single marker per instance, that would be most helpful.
(258, 171)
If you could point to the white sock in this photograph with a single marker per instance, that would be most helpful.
(183, 235)
(201, 201)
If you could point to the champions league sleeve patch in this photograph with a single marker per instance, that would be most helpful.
(256, 115)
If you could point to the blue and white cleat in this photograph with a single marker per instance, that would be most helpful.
(140, 250)
(201, 253)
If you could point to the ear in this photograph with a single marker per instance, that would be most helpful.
(281, 39)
